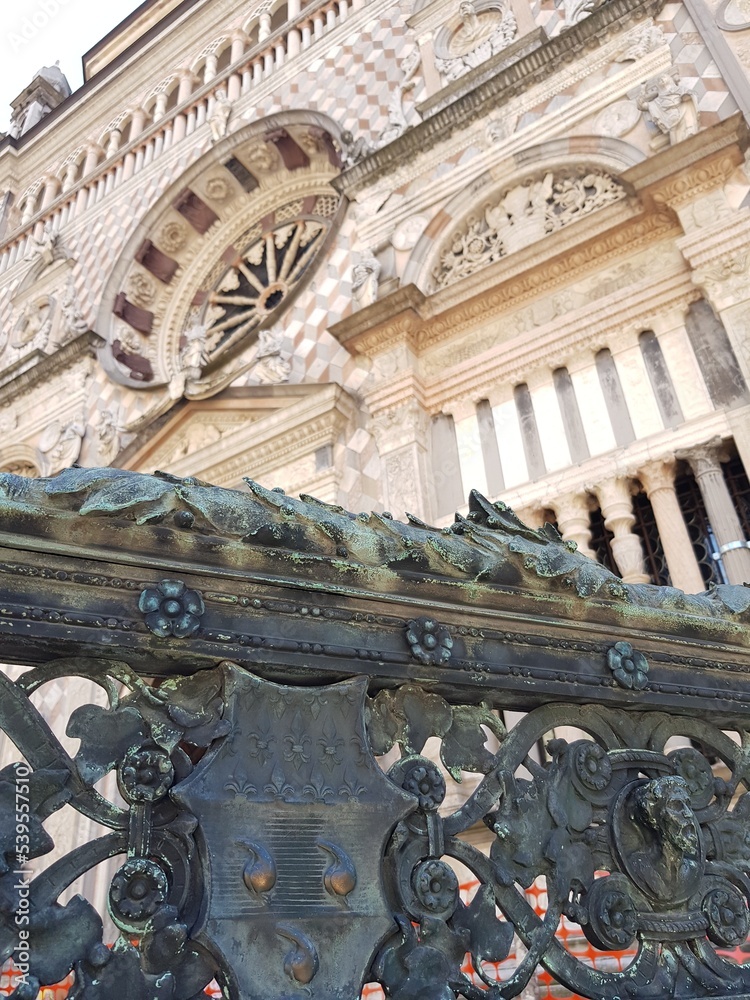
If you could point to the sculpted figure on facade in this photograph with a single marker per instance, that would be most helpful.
(61, 443)
(522, 216)
(34, 325)
(219, 118)
(73, 321)
(44, 247)
(108, 438)
(365, 277)
(397, 123)
(482, 34)
(670, 105)
(270, 366)
(353, 150)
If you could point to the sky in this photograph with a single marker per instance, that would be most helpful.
(35, 33)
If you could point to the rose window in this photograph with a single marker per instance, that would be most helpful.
(261, 280)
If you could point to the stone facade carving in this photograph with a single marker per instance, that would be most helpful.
(34, 325)
(365, 276)
(483, 31)
(141, 289)
(270, 366)
(618, 119)
(397, 123)
(108, 438)
(73, 321)
(522, 216)
(644, 38)
(45, 248)
(61, 443)
(172, 237)
(218, 120)
(670, 105)
(353, 150)
(408, 232)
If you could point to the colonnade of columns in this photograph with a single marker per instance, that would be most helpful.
(615, 498)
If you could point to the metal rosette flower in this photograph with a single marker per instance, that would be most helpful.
(170, 608)
(592, 771)
(430, 643)
(435, 887)
(420, 777)
(629, 667)
(693, 767)
(139, 888)
(725, 909)
(612, 914)
(146, 775)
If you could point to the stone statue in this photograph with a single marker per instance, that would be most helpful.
(670, 105)
(34, 326)
(44, 247)
(397, 123)
(270, 367)
(219, 118)
(108, 435)
(194, 355)
(73, 321)
(365, 276)
(62, 443)
(353, 150)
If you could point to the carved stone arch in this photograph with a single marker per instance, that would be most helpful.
(213, 48)
(268, 183)
(563, 160)
(164, 86)
(22, 459)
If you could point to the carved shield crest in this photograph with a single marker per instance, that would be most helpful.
(294, 814)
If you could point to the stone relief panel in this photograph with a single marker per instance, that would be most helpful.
(480, 31)
(670, 105)
(521, 216)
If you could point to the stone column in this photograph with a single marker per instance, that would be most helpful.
(617, 509)
(234, 84)
(573, 521)
(704, 461)
(658, 482)
(51, 189)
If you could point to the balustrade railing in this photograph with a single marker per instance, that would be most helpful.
(155, 138)
(295, 697)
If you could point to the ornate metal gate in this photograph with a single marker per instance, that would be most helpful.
(260, 653)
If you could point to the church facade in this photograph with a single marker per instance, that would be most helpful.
(382, 254)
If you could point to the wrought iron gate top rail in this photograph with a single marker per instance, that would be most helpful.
(298, 589)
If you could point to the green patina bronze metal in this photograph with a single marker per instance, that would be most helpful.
(260, 652)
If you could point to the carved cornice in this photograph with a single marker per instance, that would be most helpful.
(433, 320)
(530, 68)
(725, 139)
(698, 180)
(282, 438)
(20, 378)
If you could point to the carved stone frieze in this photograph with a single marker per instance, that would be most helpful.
(522, 216)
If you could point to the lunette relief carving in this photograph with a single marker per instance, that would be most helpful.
(522, 216)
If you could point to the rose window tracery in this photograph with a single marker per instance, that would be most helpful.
(256, 285)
